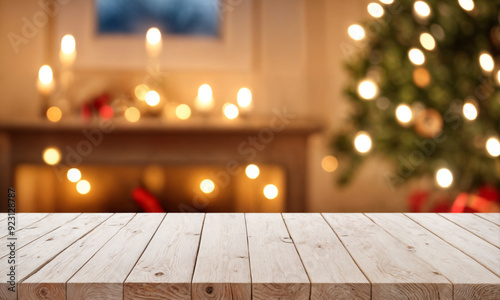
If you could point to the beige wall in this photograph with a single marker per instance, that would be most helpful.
(297, 62)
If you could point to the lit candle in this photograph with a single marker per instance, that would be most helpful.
(67, 54)
(153, 42)
(45, 83)
(244, 99)
(204, 102)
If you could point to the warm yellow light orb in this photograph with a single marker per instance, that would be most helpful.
(416, 56)
(183, 111)
(387, 1)
(467, 5)
(205, 93)
(427, 41)
(230, 111)
(152, 98)
(329, 163)
(132, 114)
(356, 32)
(54, 114)
(375, 10)
(493, 147)
(45, 74)
(74, 175)
(140, 91)
(270, 191)
(470, 111)
(367, 89)
(51, 156)
(486, 62)
(207, 186)
(244, 97)
(252, 171)
(153, 36)
(444, 178)
(68, 44)
(363, 142)
(83, 187)
(403, 113)
(422, 9)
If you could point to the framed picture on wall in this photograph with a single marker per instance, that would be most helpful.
(196, 34)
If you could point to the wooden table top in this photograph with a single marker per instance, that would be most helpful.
(253, 256)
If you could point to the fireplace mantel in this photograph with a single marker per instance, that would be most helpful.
(274, 140)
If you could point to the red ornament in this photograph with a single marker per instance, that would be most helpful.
(146, 201)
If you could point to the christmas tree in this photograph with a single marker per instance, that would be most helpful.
(424, 92)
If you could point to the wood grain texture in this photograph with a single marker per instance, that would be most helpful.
(166, 268)
(332, 272)
(277, 272)
(492, 217)
(22, 220)
(472, 245)
(50, 281)
(39, 252)
(393, 269)
(482, 228)
(103, 275)
(471, 281)
(222, 267)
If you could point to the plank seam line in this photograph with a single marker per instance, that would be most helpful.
(298, 254)
(248, 251)
(197, 252)
(53, 257)
(30, 224)
(90, 258)
(486, 267)
(469, 230)
(139, 258)
(486, 219)
(347, 250)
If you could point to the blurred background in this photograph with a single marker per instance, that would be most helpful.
(250, 105)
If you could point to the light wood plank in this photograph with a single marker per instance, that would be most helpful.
(276, 269)
(482, 228)
(39, 252)
(393, 269)
(222, 267)
(166, 268)
(50, 281)
(471, 281)
(492, 217)
(333, 273)
(472, 245)
(23, 220)
(102, 276)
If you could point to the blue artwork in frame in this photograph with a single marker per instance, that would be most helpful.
(177, 17)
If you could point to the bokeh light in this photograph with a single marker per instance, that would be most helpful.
(427, 41)
(363, 142)
(270, 191)
(152, 98)
(153, 36)
(252, 171)
(375, 10)
(422, 9)
(230, 111)
(244, 97)
(51, 156)
(486, 62)
(132, 114)
(205, 93)
(329, 163)
(403, 113)
(140, 91)
(45, 74)
(207, 186)
(367, 89)
(444, 178)
(74, 175)
(183, 111)
(68, 44)
(470, 111)
(467, 5)
(356, 32)
(493, 147)
(54, 114)
(416, 56)
(83, 187)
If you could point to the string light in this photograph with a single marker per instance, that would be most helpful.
(207, 186)
(363, 142)
(152, 98)
(467, 5)
(422, 9)
(486, 62)
(183, 112)
(416, 56)
(329, 163)
(51, 156)
(153, 36)
(367, 89)
(444, 178)
(427, 41)
(375, 10)
(74, 175)
(356, 32)
(83, 187)
(132, 114)
(54, 114)
(230, 111)
(252, 171)
(470, 111)
(403, 113)
(493, 147)
(270, 191)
